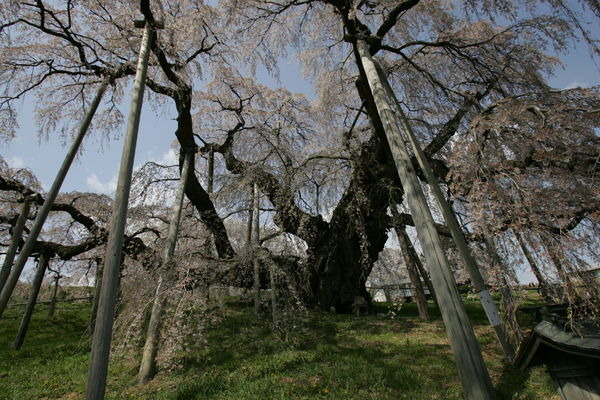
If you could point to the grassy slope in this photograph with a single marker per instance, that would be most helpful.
(328, 356)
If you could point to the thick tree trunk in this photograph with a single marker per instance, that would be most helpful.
(148, 363)
(413, 273)
(14, 242)
(33, 295)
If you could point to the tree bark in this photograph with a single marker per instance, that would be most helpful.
(148, 363)
(14, 242)
(471, 367)
(33, 295)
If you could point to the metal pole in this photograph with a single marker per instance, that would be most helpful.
(148, 363)
(33, 295)
(50, 197)
(14, 242)
(490, 308)
(97, 373)
(471, 367)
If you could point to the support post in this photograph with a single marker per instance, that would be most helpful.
(469, 261)
(413, 273)
(508, 301)
(467, 354)
(96, 299)
(50, 197)
(256, 243)
(33, 295)
(96, 383)
(211, 170)
(542, 283)
(52, 306)
(14, 242)
(148, 363)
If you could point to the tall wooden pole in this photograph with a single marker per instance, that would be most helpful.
(211, 170)
(50, 197)
(98, 368)
(52, 306)
(33, 295)
(413, 273)
(490, 308)
(14, 242)
(417, 261)
(148, 363)
(467, 354)
(542, 283)
(256, 243)
(96, 299)
(508, 300)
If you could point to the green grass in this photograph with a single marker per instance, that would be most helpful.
(326, 356)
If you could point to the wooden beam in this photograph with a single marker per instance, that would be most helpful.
(467, 354)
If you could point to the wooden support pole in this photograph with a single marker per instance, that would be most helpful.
(508, 301)
(52, 306)
(413, 273)
(542, 282)
(96, 383)
(14, 242)
(33, 295)
(96, 298)
(256, 243)
(467, 354)
(464, 251)
(50, 197)
(148, 363)
(211, 170)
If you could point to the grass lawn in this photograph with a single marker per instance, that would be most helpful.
(326, 356)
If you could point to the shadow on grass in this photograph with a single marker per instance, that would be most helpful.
(512, 381)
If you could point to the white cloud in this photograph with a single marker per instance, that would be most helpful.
(171, 157)
(16, 162)
(576, 84)
(97, 186)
